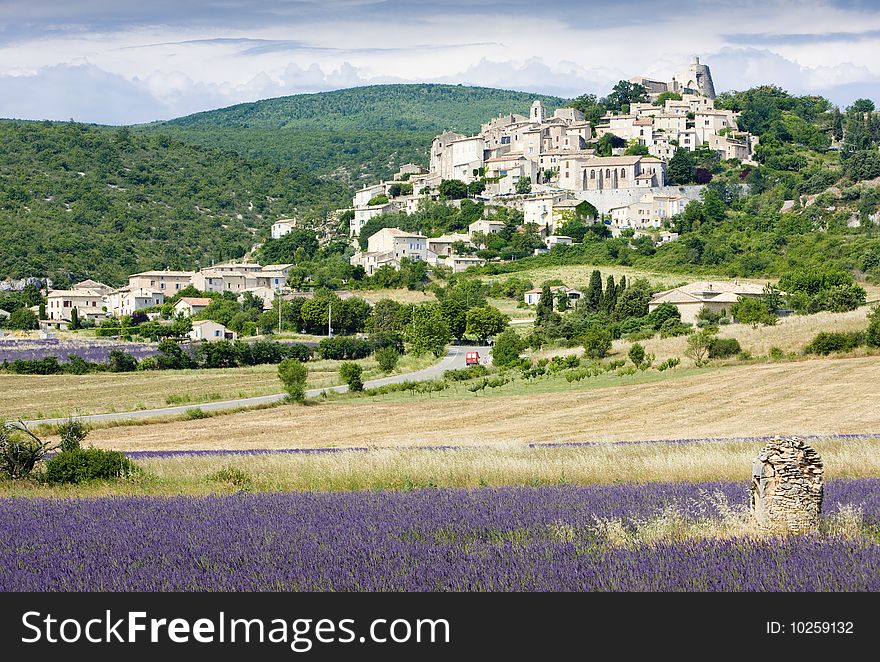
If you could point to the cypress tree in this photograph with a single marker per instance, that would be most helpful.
(594, 292)
(609, 296)
(544, 310)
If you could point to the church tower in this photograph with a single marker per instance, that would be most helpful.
(538, 112)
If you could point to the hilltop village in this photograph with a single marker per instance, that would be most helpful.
(544, 166)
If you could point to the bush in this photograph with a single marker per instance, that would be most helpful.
(465, 374)
(20, 450)
(72, 434)
(507, 348)
(351, 374)
(293, 374)
(46, 366)
(722, 348)
(597, 342)
(872, 335)
(78, 465)
(672, 328)
(668, 364)
(121, 361)
(637, 354)
(387, 358)
(344, 348)
(835, 341)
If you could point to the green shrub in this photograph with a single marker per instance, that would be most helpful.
(775, 354)
(82, 464)
(72, 434)
(293, 374)
(668, 364)
(722, 348)
(597, 342)
(387, 358)
(835, 341)
(351, 374)
(872, 334)
(637, 354)
(465, 374)
(195, 414)
(672, 328)
(507, 348)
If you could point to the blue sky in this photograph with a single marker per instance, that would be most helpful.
(116, 61)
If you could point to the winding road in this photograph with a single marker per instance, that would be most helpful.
(454, 359)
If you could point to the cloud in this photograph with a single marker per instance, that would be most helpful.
(81, 92)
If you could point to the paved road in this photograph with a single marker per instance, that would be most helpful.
(454, 359)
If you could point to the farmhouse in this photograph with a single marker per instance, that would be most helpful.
(128, 300)
(189, 306)
(162, 281)
(89, 304)
(532, 296)
(388, 246)
(282, 227)
(209, 330)
(714, 295)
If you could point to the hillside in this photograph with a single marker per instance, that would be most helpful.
(376, 107)
(81, 201)
(360, 134)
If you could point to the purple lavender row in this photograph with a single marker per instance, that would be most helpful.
(568, 444)
(94, 352)
(523, 539)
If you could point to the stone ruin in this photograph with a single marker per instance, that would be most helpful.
(787, 486)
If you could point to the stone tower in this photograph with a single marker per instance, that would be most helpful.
(697, 78)
(787, 486)
(538, 112)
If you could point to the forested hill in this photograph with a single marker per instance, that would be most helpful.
(377, 107)
(357, 135)
(81, 201)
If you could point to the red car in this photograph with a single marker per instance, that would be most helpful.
(472, 358)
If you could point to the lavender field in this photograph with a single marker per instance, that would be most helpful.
(95, 351)
(509, 539)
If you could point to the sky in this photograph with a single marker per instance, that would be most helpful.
(124, 62)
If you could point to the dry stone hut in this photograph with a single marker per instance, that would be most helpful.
(787, 486)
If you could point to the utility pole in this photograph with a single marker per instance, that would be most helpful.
(329, 318)
(280, 301)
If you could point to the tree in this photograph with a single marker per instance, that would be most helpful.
(387, 358)
(607, 143)
(294, 247)
(42, 309)
(752, 310)
(428, 331)
(387, 316)
(476, 187)
(836, 124)
(861, 106)
(523, 185)
(593, 295)
(635, 148)
(380, 199)
(625, 93)
(590, 107)
(293, 374)
(637, 354)
(74, 318)
(633, 302)
(863, 164)
(544, 309)
(609, 296)
(23, 319)
(351, 374)
(562, 300)
(872, 334)
(667, 96)
(507, 348)
(453, 189)
(597, 342)
(486, 321)
(681, 169)
(698, 346)
(21, 450)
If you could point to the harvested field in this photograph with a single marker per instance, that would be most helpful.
(808, 397)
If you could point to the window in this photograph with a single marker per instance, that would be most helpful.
(162, 286)
(622, 173)
(592, 174)
(607, 172)
(216, 333)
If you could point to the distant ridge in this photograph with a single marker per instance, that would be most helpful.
(408, 107)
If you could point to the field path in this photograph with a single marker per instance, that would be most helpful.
(454, 359)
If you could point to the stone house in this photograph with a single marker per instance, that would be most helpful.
(210, 330)
(189, 306)
(717, 296)
(168, 282)
(89, 305)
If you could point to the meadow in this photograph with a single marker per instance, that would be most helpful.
(656, 537)
(49, 396)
